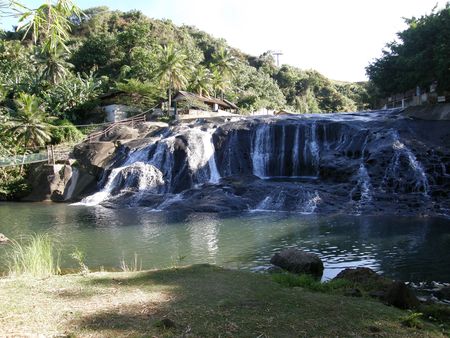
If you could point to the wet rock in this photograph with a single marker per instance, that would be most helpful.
(443, 294)
(401, 296)
(3, 239)
(298, 261)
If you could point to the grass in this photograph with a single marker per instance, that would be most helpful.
(200, 301)
(310, 283)
(35, 256)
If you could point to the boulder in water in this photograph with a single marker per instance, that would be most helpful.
(3, 239)
(298, 261)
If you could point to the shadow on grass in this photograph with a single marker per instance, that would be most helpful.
(204, 300)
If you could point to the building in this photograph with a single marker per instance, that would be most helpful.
(193, 105)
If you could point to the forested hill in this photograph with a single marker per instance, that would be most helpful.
(112, 50)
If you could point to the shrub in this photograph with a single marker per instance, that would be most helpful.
(36, 256)
(309, 282)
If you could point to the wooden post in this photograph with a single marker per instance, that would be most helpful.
(53, 155)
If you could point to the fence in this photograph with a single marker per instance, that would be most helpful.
(51, 155)
(132, 121)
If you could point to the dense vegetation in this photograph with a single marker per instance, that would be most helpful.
(419, 58)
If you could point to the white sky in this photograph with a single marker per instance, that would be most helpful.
(337, 38)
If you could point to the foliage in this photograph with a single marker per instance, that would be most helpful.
(309, 282)
(65, 131)
(35, 256)
(413, 320)
(49, 24)
(173, 69)
(13, 184)
(420, 57)
(143, 94)
(29, 125)
(79, 256)
(76, 94)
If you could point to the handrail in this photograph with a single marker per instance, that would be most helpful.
(132, 120)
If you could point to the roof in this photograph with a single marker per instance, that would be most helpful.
(182, 95)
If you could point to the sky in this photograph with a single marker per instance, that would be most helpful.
(335, 37)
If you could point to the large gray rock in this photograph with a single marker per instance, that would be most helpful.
(298, 261)
(94, 156)
(121, 132)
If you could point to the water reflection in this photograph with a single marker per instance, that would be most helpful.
(408, 248)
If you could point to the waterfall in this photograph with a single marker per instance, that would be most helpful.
(363, 188)
(151, 169)
(295, 152)
(260, 149)
(201, 155)
(309, 206)
(396, 175)
(274, 202)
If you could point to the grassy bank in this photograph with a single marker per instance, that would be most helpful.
(201, 300)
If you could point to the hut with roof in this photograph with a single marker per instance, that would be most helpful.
(191, 105)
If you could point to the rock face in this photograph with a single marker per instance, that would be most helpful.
(298, 261)
(58, 183)
(362, 163)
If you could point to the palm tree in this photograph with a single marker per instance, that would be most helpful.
(220, 84)
(173, 69)
(30, 125)
(224, 62)
(53, 66)
(201, 81)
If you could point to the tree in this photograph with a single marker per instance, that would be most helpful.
(53, 66)
(201, 82)
(30, 125)
(173, 69)
(420, 57)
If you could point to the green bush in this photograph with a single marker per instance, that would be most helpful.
(65, 131)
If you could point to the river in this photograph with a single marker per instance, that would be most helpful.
(407, 248)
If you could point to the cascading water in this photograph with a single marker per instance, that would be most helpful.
(300, 164)
(151, 169)
(404, 170)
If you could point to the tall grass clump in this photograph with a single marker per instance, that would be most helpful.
(34, 256)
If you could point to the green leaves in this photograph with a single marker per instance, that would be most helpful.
(49, 24)
(420, 58)
(30, 125)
